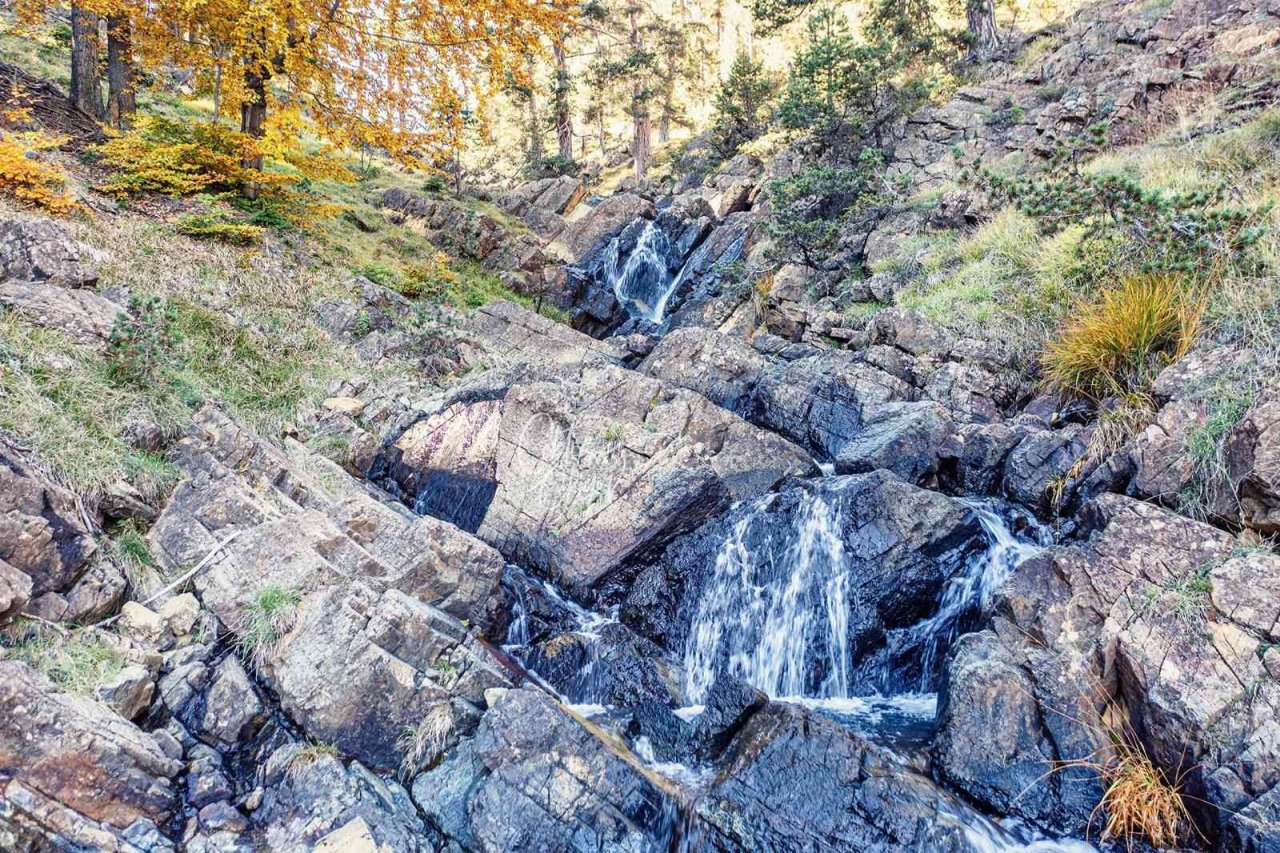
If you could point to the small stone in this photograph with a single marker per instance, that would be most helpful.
(344, 406)
(253, 800)
(352, 837)
(180, 614)
(144, 625)
(129, 693)
(222, 816)
(169, 744)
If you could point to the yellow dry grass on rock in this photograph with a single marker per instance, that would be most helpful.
(1140, 803)
(1117, 343)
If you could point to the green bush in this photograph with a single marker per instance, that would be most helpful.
(143, 342)
(808, 209)
(215, 226)
(1162, 231)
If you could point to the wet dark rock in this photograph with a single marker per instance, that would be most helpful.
(728, 705)
(535, 778)
(793, 780)
(42, 531)
(1036, 470)
(614, 667)
(905, 438)
(820, 402)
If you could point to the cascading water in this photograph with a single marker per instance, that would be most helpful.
(778, 617)
(582, 690)
(643, 283)
(973, 589)
(767, 628)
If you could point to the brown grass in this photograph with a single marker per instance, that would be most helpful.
(1117, 343)
(1140, 803)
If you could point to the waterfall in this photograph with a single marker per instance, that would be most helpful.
(583, 690)
(973, 589)
(644, 283)
(780, 619)
(766, 627)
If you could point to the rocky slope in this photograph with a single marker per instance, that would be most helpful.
(703, 571)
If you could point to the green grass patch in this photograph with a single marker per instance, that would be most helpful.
(76, 661)
(266, 618)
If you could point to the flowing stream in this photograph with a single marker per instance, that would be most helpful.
(778, 617)
(643, 284)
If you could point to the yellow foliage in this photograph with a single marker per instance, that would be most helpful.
(28, 180)
(1118, 343)
(176, 158)
(432, 280)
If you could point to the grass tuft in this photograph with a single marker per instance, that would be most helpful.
(1117, 343)
(266, 618)
(422, 744)
(1139, 802)
(76, 661)
(306, 756)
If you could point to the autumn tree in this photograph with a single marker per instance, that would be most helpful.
(122, 99)
(86, 87)
(390, 74)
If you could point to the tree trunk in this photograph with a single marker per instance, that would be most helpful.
(668, 110)
(984, 37)
(253, 120)
(86, 45)
(122, 99)
(564, 119)
(640, 124)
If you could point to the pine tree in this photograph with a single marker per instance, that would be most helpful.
(741, 104)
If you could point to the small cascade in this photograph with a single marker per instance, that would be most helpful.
(971, 592)
(779, 617)
(644, 282)
(581, 689)
(776, 624)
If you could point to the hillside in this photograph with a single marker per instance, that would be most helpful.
(887, 460)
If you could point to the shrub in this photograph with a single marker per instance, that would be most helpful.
(186, 158)
(1119, 342)
(808, 209)
(266, 618)
(1161, 231)
(176, 158)
(216, 226)
(432, 280)
(143, 341)
(30, 181)
(433, 184)
(382, 274)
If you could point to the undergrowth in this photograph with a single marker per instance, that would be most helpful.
(75, 661)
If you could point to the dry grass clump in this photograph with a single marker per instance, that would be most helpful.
(422, 744)
(1117, 343)
(1139, 802)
